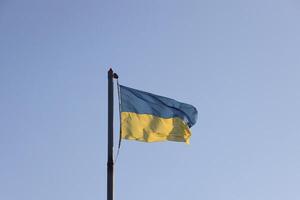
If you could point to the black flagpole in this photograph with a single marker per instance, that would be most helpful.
(110, 136)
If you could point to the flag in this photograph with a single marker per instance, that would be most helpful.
(151, 118)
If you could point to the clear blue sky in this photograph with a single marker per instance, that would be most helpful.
(237, 61)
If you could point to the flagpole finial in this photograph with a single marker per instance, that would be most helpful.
(111, 73)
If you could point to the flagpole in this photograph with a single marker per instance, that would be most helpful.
(110, 136)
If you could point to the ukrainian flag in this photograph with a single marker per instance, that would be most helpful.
(151, 118)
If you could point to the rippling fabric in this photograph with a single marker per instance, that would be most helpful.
(150, 118)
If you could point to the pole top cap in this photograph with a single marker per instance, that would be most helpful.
(112, 74)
